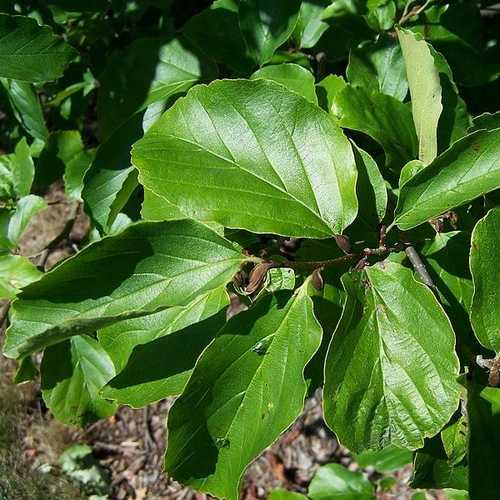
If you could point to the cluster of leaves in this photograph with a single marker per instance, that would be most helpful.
(204, 143)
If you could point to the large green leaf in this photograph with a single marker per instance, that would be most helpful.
(425, 90)
(30, 52)
(292, 76)
(468, 169)
(17, 171)
(216, 32)
(251, 155)
(154, 355)
(147, 267)
(267, 25)
(162, 367)
(484, 255)
(73, 372)
(16, 272)
(388, 459)
(379, 66)
(310, 25)
(26, 107)
(246, 388)
(483, 409)
(391, 368)
(149, 70)
(383, 118)
(334, 481)
(120, 339)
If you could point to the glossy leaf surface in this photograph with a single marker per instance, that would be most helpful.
(470, 168)
(247, 388)
(143, 269)
(244, 154)
(391, 369)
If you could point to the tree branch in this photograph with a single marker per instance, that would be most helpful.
(419, 266)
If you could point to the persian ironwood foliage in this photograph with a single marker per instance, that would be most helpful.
(331, 166)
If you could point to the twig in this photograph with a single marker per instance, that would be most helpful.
(419, 266)
(303, 264)
(407, 14)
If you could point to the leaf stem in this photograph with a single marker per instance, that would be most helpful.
(303, 264)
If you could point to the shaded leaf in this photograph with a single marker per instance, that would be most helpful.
(73, 372)
(267, 25)
(385, 119)
(388, 459)
(216, 32)
(26, 107)
(391, 368)
(30, 52)
(139, 271)
(484, 255)
(334, 481)
(379, 66)
(292, 76)
(246, 388)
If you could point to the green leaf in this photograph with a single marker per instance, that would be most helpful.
(73, 372)
(334, 481)
(30, 52)
(244, 154)
(425, 90)
(292, 76)
(483, 409)
(139, 271)
(148, 71)
(16, 272)
(246, 388)
(162, 367)
(16, 171)
(468, 169)
(26, 107)
(26, 208)
(379, 66)
(455, 440)
(484, 254)
(216, 33)
(381, 14)
(488, 121)
(310, 26)
(385, 119)
(391, 368)
(120, 339)
(327, 90)
(267, 25)
(111, 179)
(461, 34)
(371, 189)
(76, 159)
(388, 459)
(432, 469)
(446, 259)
